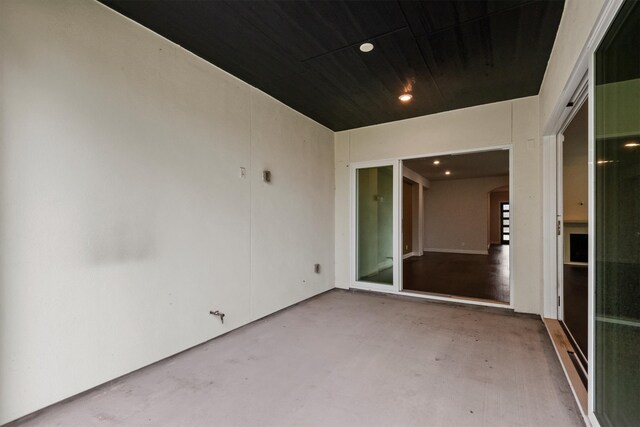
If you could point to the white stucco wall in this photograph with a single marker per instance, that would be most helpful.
(578, 20)
(124, 218)
(511, 122)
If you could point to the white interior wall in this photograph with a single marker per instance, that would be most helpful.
(124, 217)
(512, 122)
(456, 214)
(289, 214)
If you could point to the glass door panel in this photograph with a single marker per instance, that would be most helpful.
(617, 225)
(374, 225)
(573, 228)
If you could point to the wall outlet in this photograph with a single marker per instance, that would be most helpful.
(243, 172)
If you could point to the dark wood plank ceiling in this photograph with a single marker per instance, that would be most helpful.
(452, 54)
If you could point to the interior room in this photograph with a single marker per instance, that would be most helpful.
(463, 247)
(574, 236)
(320, 213)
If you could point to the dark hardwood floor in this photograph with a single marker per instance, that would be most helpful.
(576, 296)
(461, 275)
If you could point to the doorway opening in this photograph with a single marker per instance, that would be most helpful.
(456, 221)
(573, 231)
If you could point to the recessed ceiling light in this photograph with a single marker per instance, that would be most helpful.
(436, 162)
(631, 144)
(447, 173)
(366, 47)
(602, 162)
(405, 97)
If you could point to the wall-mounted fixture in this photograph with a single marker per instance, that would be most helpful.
(316, 268)
(266, 176)
(217, 313)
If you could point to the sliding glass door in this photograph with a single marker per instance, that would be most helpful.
(374, 203)
(573, 228)
(617, 226)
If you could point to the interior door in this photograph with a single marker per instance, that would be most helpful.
(375, 226)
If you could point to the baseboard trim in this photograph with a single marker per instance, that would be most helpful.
(458, 251)
(410, 254)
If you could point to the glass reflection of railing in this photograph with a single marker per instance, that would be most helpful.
(618, 321)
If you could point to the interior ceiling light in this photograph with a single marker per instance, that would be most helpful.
(405, 97)
(632, 144)
(447, 173)
(602, 162)
(366, 47)
(436, 162)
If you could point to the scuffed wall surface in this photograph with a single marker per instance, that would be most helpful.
(123, 215)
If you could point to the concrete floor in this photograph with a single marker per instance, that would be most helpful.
(347, 359)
